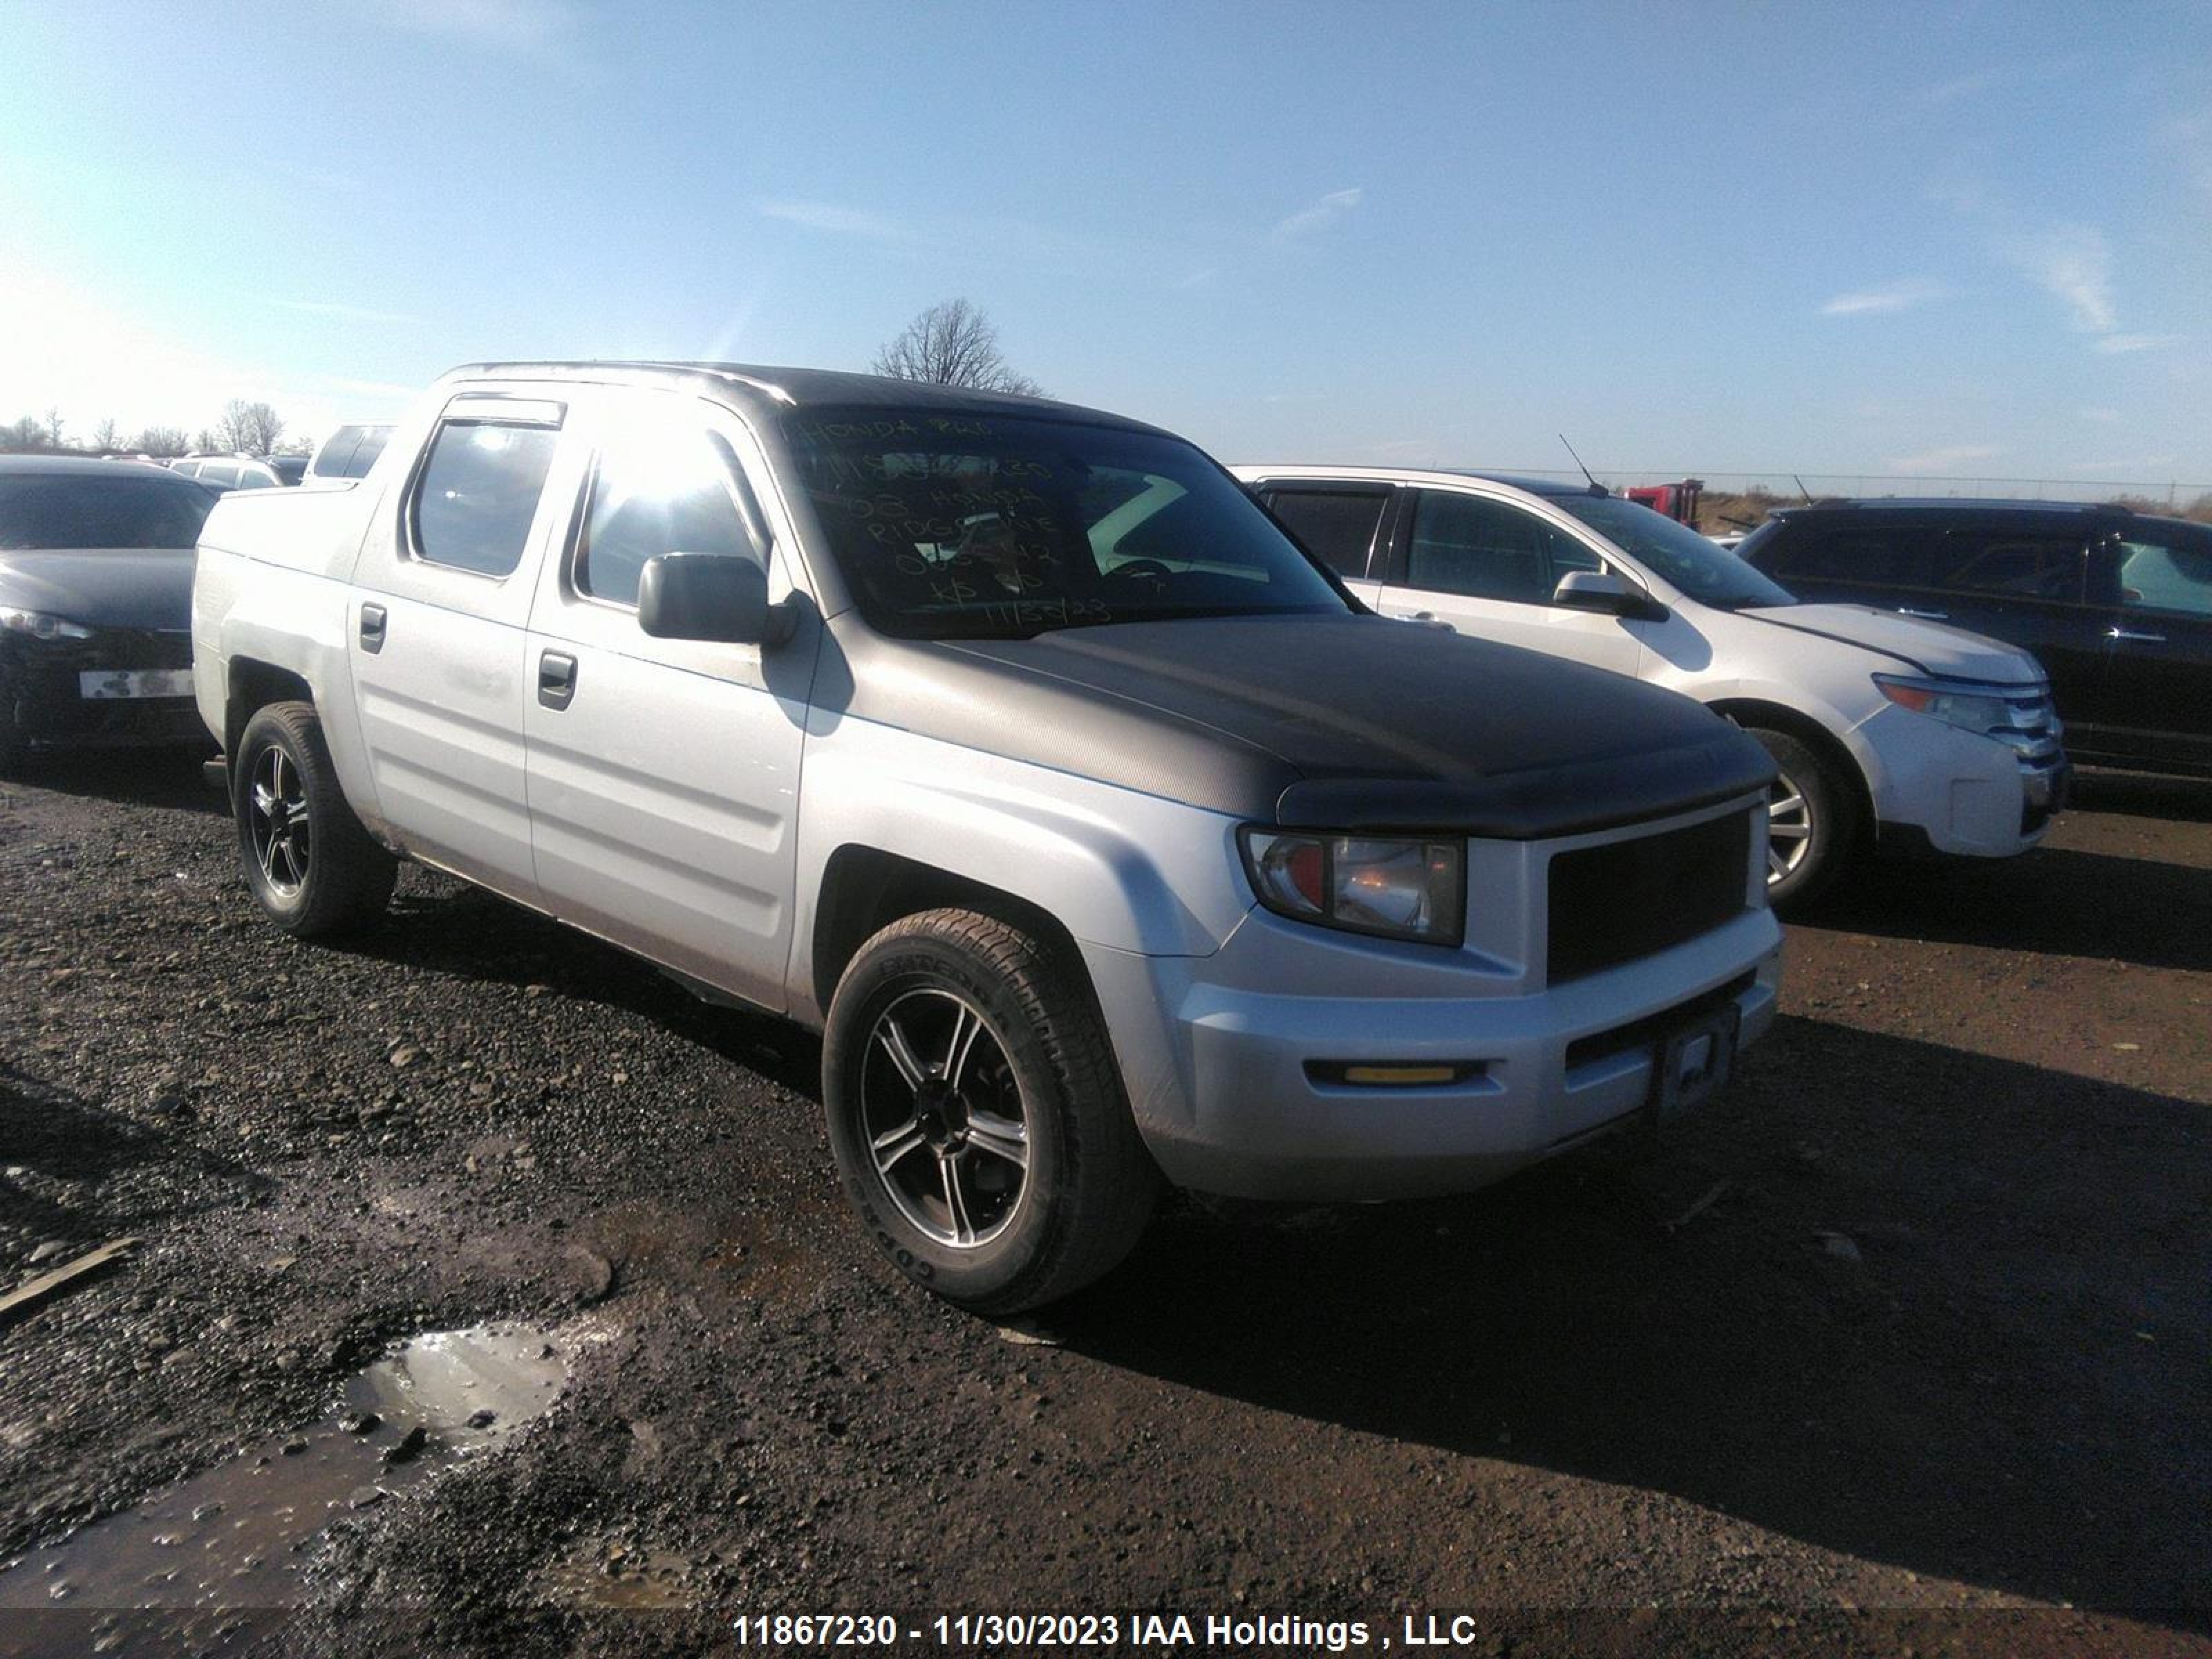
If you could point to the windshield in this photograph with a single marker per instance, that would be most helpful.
(1004, 527)
(52, 510)
(1710, 574)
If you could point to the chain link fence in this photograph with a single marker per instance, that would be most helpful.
(2168, 495)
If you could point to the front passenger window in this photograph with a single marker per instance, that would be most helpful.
(657, 489)
(1483, 550)
(2175, 576)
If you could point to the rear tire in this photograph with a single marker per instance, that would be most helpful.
(1811, 821)
(977, 1115)
(311, 866)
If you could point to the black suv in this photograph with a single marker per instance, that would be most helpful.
(2115, 604)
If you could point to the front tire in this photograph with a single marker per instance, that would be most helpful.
(311, 866)
(977, 1116)
(1812, 824)
(14, 747)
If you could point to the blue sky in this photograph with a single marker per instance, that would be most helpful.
(1970, 240)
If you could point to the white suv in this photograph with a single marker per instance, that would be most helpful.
(1889, 731)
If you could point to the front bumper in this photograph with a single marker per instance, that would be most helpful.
(1225, 1063)
(1946, 790)
(42, 698)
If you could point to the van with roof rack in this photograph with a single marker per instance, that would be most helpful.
(1891, 733)
(1107, 840)
(2115, 604)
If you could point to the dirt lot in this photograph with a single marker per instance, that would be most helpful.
(1933, 1372)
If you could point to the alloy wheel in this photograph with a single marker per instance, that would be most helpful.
(944, 1119)
(277, 808)
(1788, 829)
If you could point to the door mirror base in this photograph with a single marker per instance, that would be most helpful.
(1607, 594)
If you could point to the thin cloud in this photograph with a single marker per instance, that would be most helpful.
(1898, 296)
(2016, 76)
(351, 313)
(1957, 89)
(2120, 345)
(2190, 139)
(353, 388)
(1319, 216)
(2074, 263)
(828, 216)
(1943, 461)
(2123, 466)
(531, 28)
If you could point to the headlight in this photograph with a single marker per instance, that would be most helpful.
(41, 626)
(1971, 711)
(1400, 887)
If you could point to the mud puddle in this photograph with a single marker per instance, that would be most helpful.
(239, 1534)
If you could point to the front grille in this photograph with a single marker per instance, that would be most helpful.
(1643, 1033)
(2031, 727)
(1621, 900)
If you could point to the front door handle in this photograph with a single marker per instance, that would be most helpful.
(556, 679)
(371, 629)
(1926, 616)
(2140, 638)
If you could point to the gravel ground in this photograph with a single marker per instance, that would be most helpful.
(1932, 1372)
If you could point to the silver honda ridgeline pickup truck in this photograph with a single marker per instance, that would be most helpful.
(1010, 745)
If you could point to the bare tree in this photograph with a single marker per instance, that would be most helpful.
(952, 344)
(27, 434)
(161, 441)
(53, 429)
(103, 436)
(208, 442)
(249, 428)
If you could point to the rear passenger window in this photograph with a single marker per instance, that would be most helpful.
(2009, 565)
(223, 475)
(656, 489)
(1337, 526)
(478, 493)
(365, 451)
(1482, 549)
(337, 449)
(1873, 558)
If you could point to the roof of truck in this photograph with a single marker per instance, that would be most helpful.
(1420, 475)
(1950, 504)
(801, 388)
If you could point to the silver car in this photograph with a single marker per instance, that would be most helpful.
(1106, 839)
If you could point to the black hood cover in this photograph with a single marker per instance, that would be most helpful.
(1348, 722)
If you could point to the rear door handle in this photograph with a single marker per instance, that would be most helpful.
(1926, 616)
(556, 679)
(371, 629)
(2140, 638)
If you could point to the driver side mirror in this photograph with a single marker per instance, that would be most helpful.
(721, 596)
(1607, 594)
